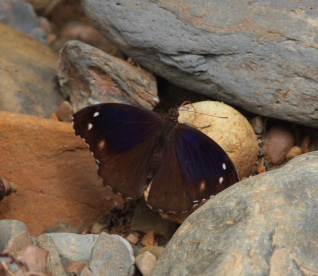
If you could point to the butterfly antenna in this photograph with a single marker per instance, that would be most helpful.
(184, 103)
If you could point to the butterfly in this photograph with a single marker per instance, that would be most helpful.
(134, 147)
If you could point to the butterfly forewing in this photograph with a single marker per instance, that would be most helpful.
(111, 130)
(128, 174)
(122, 139)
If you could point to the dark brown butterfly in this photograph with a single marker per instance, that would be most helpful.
(135, 147)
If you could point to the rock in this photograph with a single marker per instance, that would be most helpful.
(278, 140)
(17, 244)
(97, 228)
(258, 124)
(28, 82)
(154, 250)
(145, 220)
(149, 239)
(145, 263)
(255, 55)
(20, 15)
(54, 264)
(36, 259)
(264, 225)
(132, 238)
(226, 126)
(74, 247)
(111, 255)
(88, 75)
(65, 112)
(54, 172)
(293, 152)
(10, 229)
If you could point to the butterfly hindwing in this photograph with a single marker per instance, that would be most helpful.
(205, 167)
(167, 192)
(193, 169)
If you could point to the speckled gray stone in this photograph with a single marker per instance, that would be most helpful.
(111, 255)
(264, 225)
(258, 55)
(9, 229)
(74, 247)
(19, 14)
(54, 265)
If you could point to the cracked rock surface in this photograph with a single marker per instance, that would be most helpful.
(258, 55)
(264, 225)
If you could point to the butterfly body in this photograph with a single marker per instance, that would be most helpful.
(135, 147)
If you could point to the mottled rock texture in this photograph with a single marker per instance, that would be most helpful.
(54, 172)
(28, 75)
(258, 55)
(88, 75)
(265, 225)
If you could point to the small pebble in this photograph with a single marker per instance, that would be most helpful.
(148, 239)
(257, 124)
(305, 144)
(293, 152)
(278, 140)
(146, 263)
(132, 238)
(97, 228)
(65, 112)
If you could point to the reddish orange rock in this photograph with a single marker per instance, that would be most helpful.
(278, 140)
(54, 172)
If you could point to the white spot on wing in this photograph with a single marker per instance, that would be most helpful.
(96, 114)
(221, 180)
(224, 166)
(90, 126)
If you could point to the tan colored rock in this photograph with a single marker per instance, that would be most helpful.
(226, 126)
(132, 238)
(149, 239)
(293, 152)
(28, 74)
(146, 263)
(54, 172)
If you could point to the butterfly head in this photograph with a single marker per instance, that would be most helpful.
(174, 114)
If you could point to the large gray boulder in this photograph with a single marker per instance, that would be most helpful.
(258, 55)
(264, 225)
